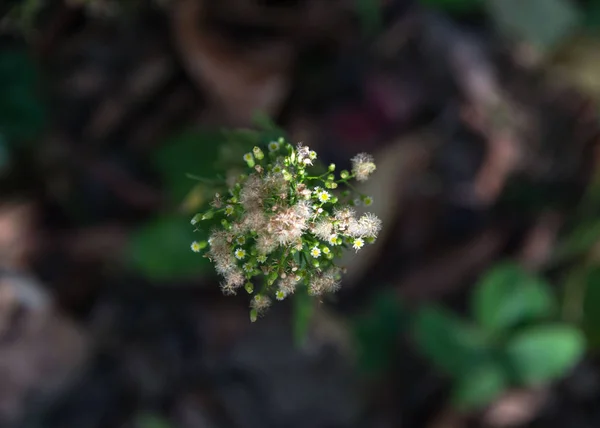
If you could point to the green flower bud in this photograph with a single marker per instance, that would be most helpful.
(253, 315)
(249, 287)
(208, 215)
(331, 167)
(344, 174)
(258, 153)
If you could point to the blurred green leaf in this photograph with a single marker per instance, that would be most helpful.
(161, 249)
(509, 295)
(22, 111)
(453, 345)
(454, 6)
(579, 241)
(541, 23)
(376, 333)
(148, 420)
(191, 152)
(303, 310)
(591, 306)
(369, 12)
(479, 387)
(544, 353)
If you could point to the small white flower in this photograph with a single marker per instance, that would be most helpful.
(368, 201)
(357, 202)
(240, 240)
(273, 146)
(280, 295)
(323, 196)
(228, 210)
(307, 161)
(195, 247)
(315, 252)
(332, 239)
(358, 243)
(312, 155)
(261, 259)
(248, 267)
(248, 157)
(239, 253)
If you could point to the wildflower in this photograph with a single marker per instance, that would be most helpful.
(260, 303)
(358, 243)
(249, 158)
(367, 201)
(369, 225)
(363, 166)
(240, 253)
(323, 196)
(323, 229)
(277, 207)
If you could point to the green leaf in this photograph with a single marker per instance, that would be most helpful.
(545, 353)
(376, 333)
(452, 345)
(480, 387)
(578, 242)
(509, 295)
(303, 310)
(161, 249)
(148, 420)
(191, 152)
(591, 305)
(22, 113)
(369, 12)
(541, 23)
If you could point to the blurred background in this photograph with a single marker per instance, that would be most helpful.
(477, 307)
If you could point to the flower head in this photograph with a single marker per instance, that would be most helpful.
(358, 243)
(315, 252)
(363, 166)
(240, 253)
(285, 223)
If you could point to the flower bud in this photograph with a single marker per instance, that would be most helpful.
(258, 153)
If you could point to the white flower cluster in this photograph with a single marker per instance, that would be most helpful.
(287, 226)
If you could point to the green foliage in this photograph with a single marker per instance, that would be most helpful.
(481, 386)
(375, 333)
(148, 420)
(511, 341)
(508, 295)
(369, 12)
(453, 345)
(303, 310)
(160, 249)
(587, 294)
(22, 114)
(544, 353)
